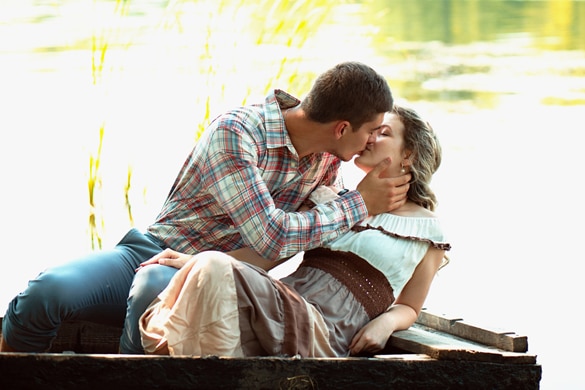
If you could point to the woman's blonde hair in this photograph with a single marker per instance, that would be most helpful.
(421, 140)
(426, 153)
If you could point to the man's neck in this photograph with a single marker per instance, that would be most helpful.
(307, 136)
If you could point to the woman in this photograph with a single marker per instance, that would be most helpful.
(346, 298)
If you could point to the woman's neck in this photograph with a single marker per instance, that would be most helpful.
(411, 209)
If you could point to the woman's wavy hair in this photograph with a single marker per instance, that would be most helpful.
(420, 138)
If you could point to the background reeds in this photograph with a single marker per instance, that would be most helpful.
(225, 45)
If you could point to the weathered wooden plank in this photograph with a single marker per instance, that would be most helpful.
(85, 337)
(65, 371)
(505, 340)
(452, 363)
(439, 345)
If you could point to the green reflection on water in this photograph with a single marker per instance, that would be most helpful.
(432, 50)
(551, 25)
(505, 40)
(412, 91)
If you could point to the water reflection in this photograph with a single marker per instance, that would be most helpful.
(551, 25)
(453, 50)
(433, 50)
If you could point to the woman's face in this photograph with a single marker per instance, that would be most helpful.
(389, 143)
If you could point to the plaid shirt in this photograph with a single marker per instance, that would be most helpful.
(242, 183)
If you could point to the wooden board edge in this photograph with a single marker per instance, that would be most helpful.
(505, 340)
(440, 345)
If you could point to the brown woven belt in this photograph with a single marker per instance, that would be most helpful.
(368, 285)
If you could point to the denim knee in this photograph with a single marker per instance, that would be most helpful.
(33, 317)
(147, 284)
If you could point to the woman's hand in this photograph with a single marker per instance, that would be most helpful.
(168, 257)
(371, 338)
(405, 310)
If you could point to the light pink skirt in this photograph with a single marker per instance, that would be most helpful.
(216, 305)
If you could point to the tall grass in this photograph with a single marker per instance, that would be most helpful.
(99, 49)
(94, 184)
(232, 48)
(244, 49)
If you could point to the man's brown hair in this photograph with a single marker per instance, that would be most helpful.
(349, 91)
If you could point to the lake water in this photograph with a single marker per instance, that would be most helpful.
(503, 83)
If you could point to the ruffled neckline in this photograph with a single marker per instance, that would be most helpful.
(423, 229)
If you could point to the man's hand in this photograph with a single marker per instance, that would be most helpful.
(168, 257)
(383, 194)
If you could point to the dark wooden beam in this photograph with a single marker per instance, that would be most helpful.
(73, 371)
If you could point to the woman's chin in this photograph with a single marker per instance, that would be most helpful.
(363, 163)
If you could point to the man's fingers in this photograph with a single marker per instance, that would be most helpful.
(402, 180)
(167, 253)
(169, 261)
(384, 194)
(152, 260)
(380, 167)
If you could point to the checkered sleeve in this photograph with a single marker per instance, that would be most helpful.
(235, 181)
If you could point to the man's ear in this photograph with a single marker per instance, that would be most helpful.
(341, 128)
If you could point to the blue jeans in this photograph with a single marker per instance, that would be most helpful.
(102, 287)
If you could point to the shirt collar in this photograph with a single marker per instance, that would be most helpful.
(276, 134)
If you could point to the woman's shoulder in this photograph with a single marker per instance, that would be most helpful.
(412, 222)
(411, 209)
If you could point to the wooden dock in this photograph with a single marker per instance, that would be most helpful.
(437, 352)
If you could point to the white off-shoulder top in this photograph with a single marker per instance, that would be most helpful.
(391, 243)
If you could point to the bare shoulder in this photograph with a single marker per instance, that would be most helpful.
(413, 210)
(422, 212)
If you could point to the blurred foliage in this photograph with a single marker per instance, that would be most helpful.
(223, 42)
(233, 51)
(99, 49)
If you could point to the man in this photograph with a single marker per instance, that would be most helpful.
(240, 187)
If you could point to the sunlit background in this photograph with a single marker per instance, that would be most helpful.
(100, 102)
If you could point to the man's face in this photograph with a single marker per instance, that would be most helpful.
(354, 142)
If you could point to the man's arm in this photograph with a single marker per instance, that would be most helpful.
(178, 260)
(250, 256)
(235, 181)
(237, 184)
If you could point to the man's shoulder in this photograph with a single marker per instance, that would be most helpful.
(240, 119)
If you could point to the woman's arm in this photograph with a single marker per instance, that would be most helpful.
(250, 256)
(176, 259)
(405, 310)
